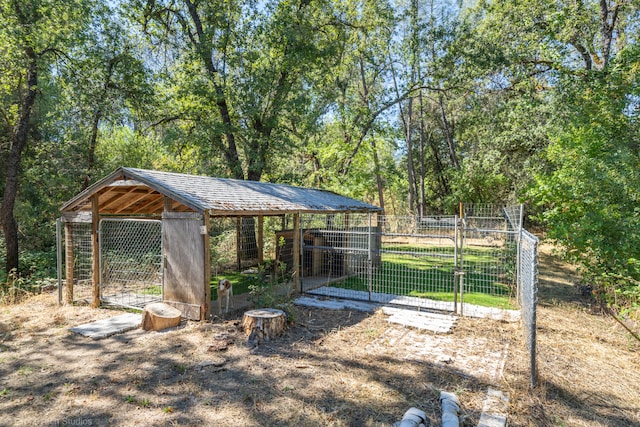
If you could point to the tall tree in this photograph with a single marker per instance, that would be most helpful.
(583, 58)
(237, 74)
(106, 85)
(34, 35)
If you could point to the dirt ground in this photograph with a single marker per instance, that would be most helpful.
(331, 368)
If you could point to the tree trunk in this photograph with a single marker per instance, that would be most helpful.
(448, 132)
(379, 182)
(202, 46)
(19, 141)
(263, 324)
(91, 155)
(159, 316)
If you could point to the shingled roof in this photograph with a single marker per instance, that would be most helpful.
(129, 191)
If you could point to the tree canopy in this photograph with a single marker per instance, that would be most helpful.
(414, 105)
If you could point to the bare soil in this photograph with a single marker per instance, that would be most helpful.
(330, 368)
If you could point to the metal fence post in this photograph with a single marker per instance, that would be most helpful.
(369, 258)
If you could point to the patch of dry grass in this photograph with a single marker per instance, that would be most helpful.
(331, 368)
(589, 370)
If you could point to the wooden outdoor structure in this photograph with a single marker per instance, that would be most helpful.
(186, 204)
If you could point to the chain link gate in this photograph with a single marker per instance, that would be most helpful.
(489, 254)
(131, 270)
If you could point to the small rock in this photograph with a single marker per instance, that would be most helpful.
(216, 362)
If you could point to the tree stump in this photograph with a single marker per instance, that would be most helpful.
(159, 316)
(263, 324)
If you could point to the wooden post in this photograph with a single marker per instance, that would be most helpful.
(316, 256)
(207, 267)
(239, 242)
(260, 239)
(296, 252)
(168, 204)
(95, 249)
(68, 261)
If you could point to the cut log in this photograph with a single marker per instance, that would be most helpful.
(159, 316)
(263, 324)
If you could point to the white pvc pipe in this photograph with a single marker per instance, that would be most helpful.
(414, 417)
(450, 409)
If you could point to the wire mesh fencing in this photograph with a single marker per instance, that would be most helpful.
(235, 242)
(400, 260)
(131, 267)
(255, 253)
(528, 283)
(417, 261)
(489, 253)
(76, 241)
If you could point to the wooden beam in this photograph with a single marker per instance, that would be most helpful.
(206, 315)
(68, 263)
(154, 206)
(261, 239)
(126, 202)
(296, 252)
(95, 249)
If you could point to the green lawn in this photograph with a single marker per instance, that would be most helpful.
(240, 282)
(420, 271)
(428, 272)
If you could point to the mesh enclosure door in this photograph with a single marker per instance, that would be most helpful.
(490, 253)
(77, 236)
(130, 262)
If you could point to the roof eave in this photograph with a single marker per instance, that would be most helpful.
(277, 212)
(92, 189)
(123, 173)
(167, 191)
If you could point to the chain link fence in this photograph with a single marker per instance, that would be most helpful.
(131, 267)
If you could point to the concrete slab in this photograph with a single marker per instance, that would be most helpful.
(476, 357)
(434, 322)
(107, 327)
(468, 310)
(334, 304)
(494, 411)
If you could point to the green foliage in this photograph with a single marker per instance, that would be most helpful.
(418, 105)
(591, 193)
(15, 288)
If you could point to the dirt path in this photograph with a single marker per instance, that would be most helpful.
(332, 368)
